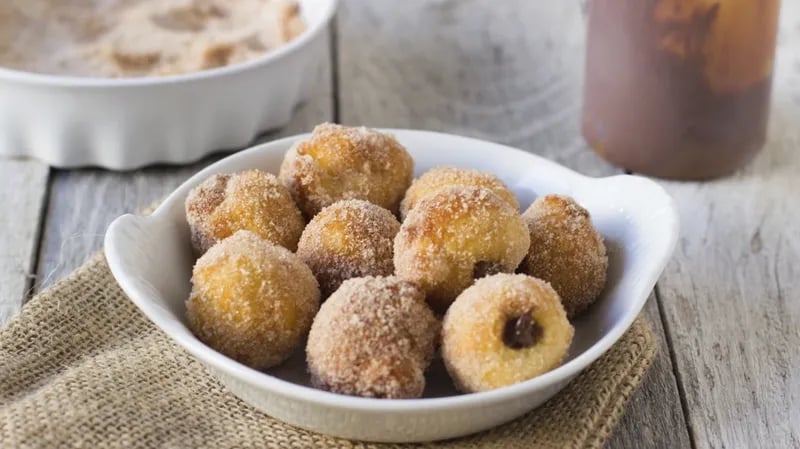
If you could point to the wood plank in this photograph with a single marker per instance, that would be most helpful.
(84, 202)
(510, 73)
(647, 423)
(23, 188)
(730, 293)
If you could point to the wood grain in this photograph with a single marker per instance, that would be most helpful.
(23, 187)
(730, 296)
(649, 421)
(84, 202)
(510, 74)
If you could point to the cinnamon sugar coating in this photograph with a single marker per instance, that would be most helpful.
(438, 178)
(566, 250)
(373, 337)
(502, 330)
(250, 200)
(251, 300)
(350, 238)
(456, 235)
(340, 162)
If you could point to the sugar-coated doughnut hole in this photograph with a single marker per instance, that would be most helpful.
(339, 162)
(566, 250)
(251, 300)
(350, 238)
(439, 178)
(251, 200)
(455, 236)
(373, 337)
(502, 330)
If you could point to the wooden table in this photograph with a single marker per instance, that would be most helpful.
(727, 309)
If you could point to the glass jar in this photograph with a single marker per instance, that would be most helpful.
(679, 88)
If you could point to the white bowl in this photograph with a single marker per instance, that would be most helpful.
(152, 261)
(124, 123)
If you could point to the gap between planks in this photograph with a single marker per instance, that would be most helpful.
(23, 196)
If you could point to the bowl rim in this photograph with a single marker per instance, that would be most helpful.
(55, 80)
(263, 380)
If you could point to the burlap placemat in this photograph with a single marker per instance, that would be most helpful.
(81, 367)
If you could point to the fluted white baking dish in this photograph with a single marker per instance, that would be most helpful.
(151, 258)
(124, 123)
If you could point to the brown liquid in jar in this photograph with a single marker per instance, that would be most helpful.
(679, 88)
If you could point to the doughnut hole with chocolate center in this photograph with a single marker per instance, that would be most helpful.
(505, 329)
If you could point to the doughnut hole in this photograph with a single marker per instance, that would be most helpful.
(373, 337)
(251, 300)
(457, 235)
(339, 162)
(350, 238)
(566, 251)
(251, 200)
(505, 329)
(440, 178)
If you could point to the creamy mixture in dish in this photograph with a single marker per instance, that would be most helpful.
(132, 38)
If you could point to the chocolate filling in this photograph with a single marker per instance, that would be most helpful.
(485, 268)
(521, 332)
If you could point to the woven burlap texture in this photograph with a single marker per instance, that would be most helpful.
(81, 367)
